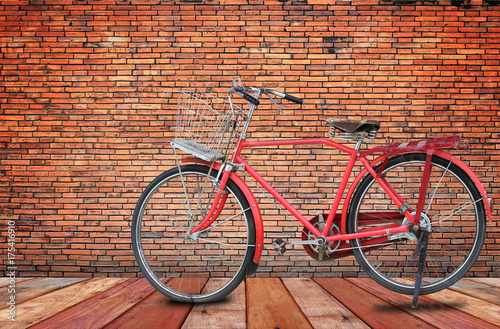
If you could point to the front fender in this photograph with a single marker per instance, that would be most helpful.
(257, 217)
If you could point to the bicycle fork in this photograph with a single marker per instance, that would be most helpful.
(217, 205)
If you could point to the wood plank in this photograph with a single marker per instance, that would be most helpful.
(5, 281)
(438, 314)
(40, 308)
(52, 282)
(269, 305)
(478, 289)
(227, 313)
(470, 305)
(156, 311)
(28, 289)
(101, 309)
(489, 281)
(320, 308)
(374, 311)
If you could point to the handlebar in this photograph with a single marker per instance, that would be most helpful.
(294, 99)
(247, 97)
(255, 101)
(244, 92)
(283, 95)
(251, 95)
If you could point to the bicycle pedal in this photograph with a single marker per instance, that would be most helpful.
(279, 246)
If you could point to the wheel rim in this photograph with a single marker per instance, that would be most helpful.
(452, 209)
(183, 265)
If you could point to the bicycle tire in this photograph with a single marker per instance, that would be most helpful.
(186, 267)
(454, 209)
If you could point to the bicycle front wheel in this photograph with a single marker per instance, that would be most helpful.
(453, 213)
(186, 267)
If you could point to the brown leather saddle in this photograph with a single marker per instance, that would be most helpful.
(353, 126)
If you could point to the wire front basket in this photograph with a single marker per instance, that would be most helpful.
(205, 125)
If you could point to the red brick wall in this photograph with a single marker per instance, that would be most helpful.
(86, 107)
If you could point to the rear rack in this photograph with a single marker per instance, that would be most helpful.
(420, 145)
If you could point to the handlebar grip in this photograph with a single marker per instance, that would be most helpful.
(247, 97)
(294, 99)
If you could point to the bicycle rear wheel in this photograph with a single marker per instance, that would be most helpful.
(200, 267)
(454, 213)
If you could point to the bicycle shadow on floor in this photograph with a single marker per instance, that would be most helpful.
(423, 305)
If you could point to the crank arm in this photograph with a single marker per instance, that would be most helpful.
(280, 245)
(303, 242)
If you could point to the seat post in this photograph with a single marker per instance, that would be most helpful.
(359, 142)
(358, 145)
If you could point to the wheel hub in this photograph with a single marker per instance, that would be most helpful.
(191, 237)
(424, 225)
(425, 222)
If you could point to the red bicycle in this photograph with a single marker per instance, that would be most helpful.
(414, 217)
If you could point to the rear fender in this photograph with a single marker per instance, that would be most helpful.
(259, 227)
(487, 203)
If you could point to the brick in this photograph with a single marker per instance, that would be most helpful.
(88, 102)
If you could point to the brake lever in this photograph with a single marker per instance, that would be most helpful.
(272, 99)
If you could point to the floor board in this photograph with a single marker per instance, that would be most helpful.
(256, 303)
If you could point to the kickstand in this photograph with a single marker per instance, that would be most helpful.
(422, 250)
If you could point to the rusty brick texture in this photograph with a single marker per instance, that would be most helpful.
(88, 102)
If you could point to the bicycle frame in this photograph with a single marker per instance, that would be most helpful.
(431, 146)
(390, 219)
(354, 155)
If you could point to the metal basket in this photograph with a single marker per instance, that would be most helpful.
(205, 125)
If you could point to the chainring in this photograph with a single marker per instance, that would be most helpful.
(313, 249)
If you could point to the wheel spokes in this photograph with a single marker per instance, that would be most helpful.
(450, 213)
(171, 251)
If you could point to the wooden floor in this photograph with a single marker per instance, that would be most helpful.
(258, 303)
